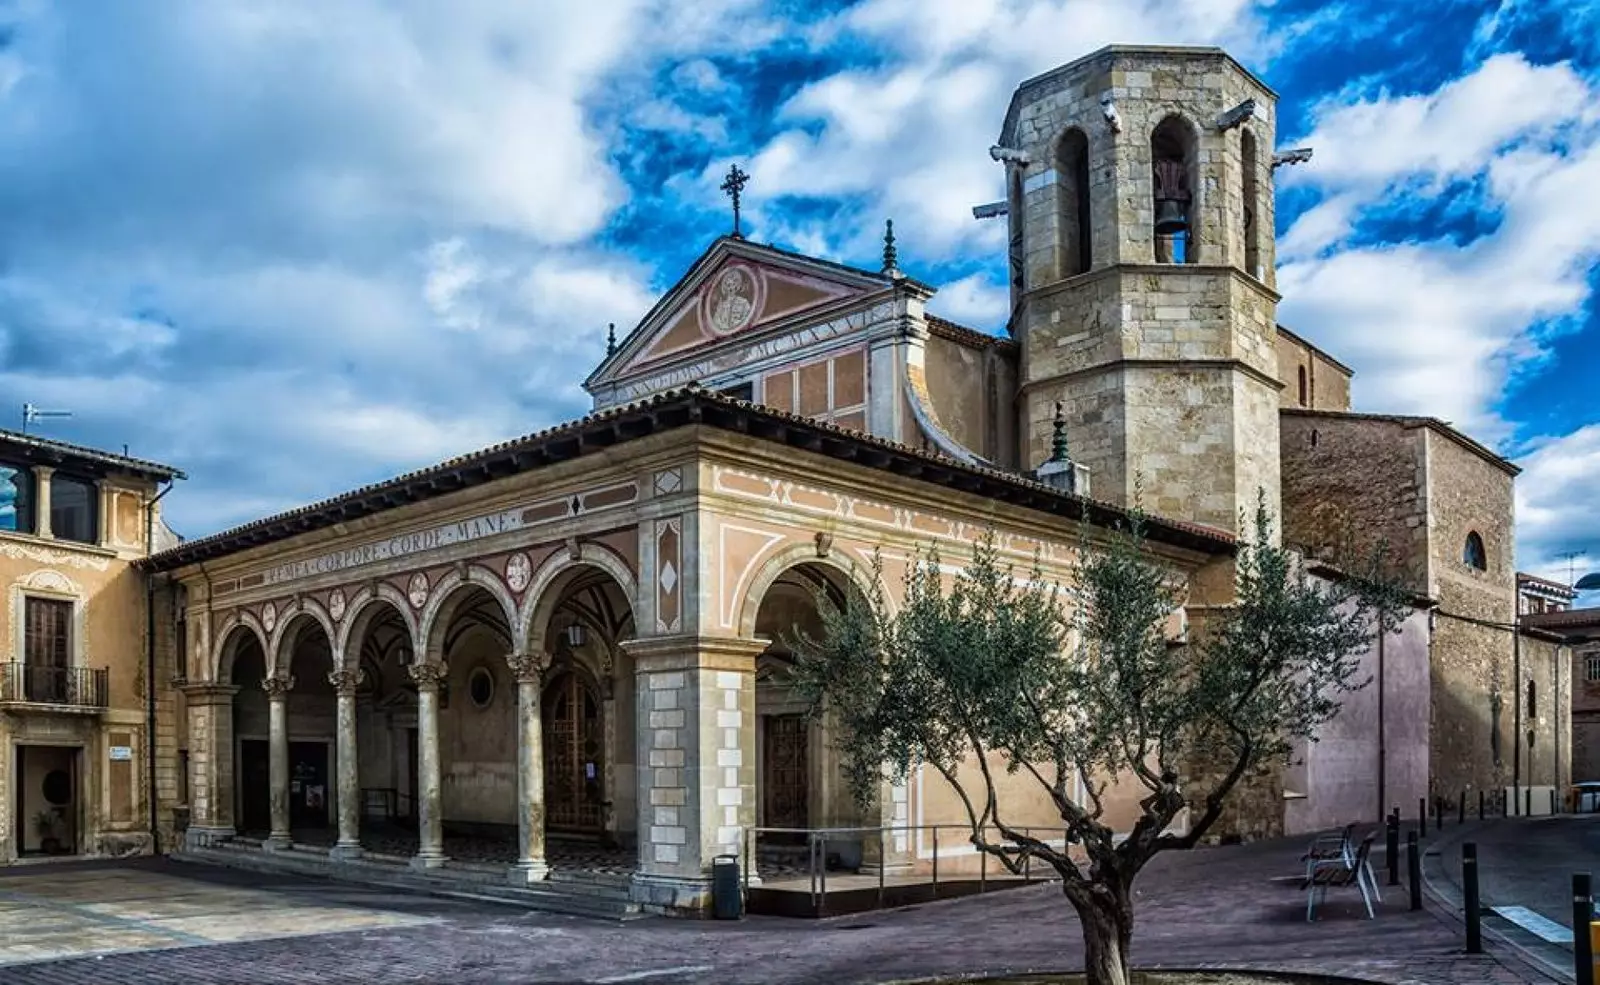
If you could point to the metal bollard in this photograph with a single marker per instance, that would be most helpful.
(1582, 916)
(1469, 889)
(1553, 801)
(1461, 809)
(1480, 805)
(1422, 817)
(1414, 869)
(1392, 846)
(1527, 802)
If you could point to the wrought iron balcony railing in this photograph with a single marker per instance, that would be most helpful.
(82, 687)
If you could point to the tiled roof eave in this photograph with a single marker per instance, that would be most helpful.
(658, 414)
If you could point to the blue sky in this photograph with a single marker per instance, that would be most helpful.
(297, 247)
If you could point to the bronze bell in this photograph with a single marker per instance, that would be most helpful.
(1170, 220)
(1171, 197)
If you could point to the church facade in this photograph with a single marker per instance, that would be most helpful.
(579, 636)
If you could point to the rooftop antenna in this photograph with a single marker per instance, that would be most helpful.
(32, 414)
(1571, 557)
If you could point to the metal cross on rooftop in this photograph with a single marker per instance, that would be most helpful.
(733, 186)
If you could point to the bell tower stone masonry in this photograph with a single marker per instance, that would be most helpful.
(1139, 197)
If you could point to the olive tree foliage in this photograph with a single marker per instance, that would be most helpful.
(994, 669)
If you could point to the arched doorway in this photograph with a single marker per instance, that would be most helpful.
(380, 645)
(245, 665)
(581, 615)
(799, 783)
(574, 753)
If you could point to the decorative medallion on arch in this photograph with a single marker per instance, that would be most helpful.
(417, 590)
(336, 603)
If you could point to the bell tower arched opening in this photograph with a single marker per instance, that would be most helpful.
(1173, 174)
(1072, 189)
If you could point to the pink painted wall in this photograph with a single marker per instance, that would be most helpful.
(1338, 773)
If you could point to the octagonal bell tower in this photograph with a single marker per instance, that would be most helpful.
(1140, 208)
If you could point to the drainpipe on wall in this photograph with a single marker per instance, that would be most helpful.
(1516, 698)
(1383, 762)
(150, 670)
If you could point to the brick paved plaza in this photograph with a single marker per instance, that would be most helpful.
(1226, 907)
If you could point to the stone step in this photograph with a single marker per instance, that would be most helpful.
(606, 903)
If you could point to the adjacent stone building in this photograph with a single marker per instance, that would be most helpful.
(82, 731)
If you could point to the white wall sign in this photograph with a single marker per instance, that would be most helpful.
(121, 754)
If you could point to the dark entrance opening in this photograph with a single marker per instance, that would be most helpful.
(308, 785)
(574, 746)
(785, 762)
(255, 786)
(46, 812)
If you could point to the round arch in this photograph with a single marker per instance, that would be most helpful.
(545, 590)
(447, 596)
(1176, 138)
(367, 604)
(855, 574)
(227, 643)
(290, 621)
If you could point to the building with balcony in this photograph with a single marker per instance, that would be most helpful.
(77, 713)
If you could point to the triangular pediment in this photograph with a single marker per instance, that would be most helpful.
(735, 290)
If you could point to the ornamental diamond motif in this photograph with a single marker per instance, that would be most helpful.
(669, 577)
(269, 617)
(336, 605)
(519, 571)
(417, 590)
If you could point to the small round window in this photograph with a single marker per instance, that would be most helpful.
(480, 687)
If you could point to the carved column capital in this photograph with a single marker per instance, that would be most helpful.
(528, 668)
(428, 675)
(277, 688)
(345, 682)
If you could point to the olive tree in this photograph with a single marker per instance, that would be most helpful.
(1081, 688)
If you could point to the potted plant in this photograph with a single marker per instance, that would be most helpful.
(45, 826)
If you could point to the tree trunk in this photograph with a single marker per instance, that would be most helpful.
(1106, 915)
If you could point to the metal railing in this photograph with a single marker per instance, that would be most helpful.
(816, 844)
(83, 687)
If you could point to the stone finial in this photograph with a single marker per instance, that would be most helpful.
(611, 339)
(428, 675)
(277, 687)
(345, 682)
(1059, 471)
(891, 256)
(1058, 437)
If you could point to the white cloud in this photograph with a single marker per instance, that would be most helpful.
(974, 301)
(1433, 325)
(907, 137)
(1557, 509)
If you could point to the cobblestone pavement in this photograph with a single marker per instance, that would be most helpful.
(1226, 907)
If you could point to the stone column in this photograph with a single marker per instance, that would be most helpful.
(41, 500)
(430, 809)
(696, 708)
(528, 669)
(210, 762)
(348, 846)
(278, 689)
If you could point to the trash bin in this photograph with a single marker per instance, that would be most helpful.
(726, 902)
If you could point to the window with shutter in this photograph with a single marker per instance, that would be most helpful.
(47, 648)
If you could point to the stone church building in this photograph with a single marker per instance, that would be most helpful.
(567, 652)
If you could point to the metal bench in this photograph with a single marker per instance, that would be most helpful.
(1339, 847)
(1338, 873)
